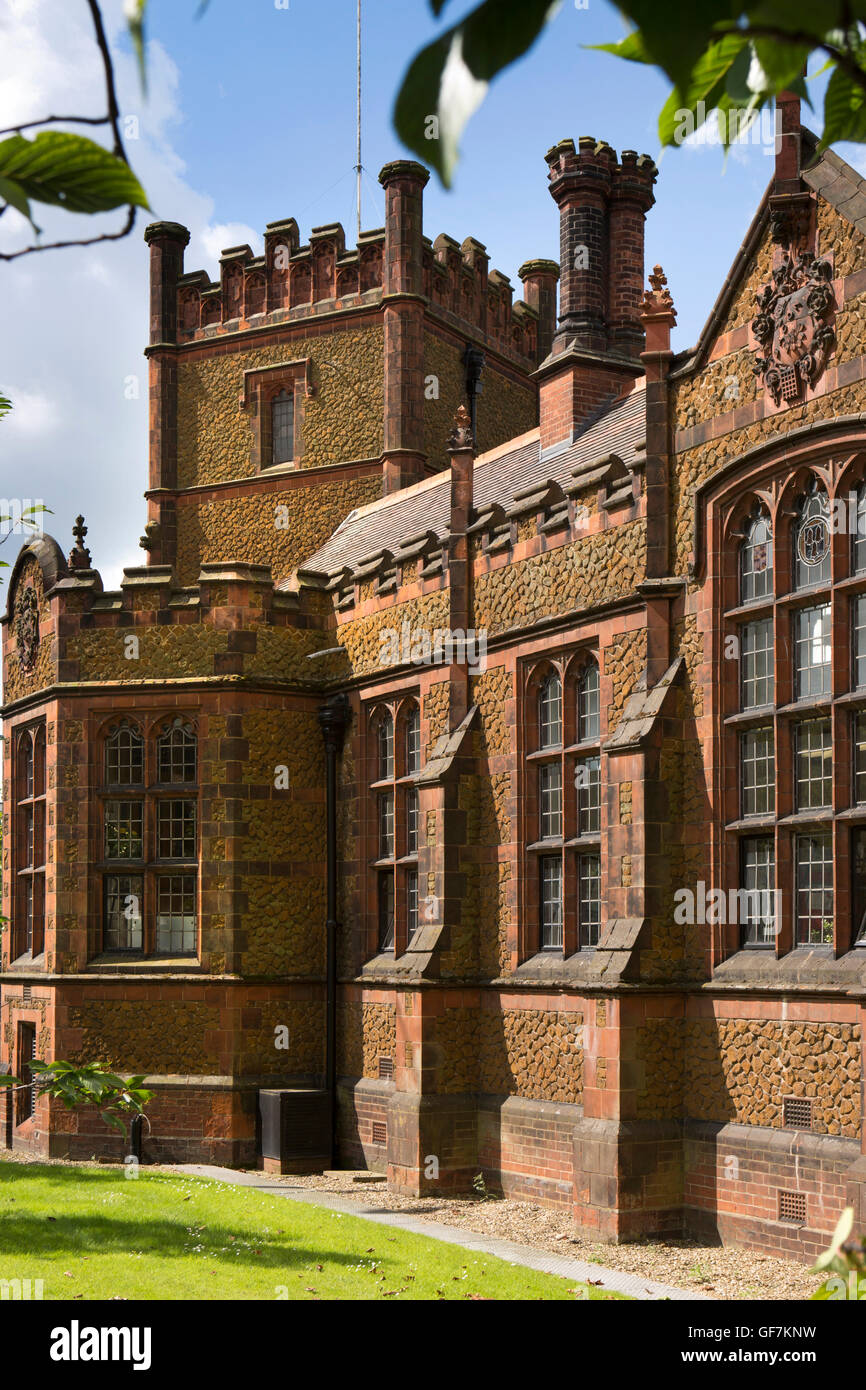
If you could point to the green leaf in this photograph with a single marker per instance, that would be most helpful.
(70, 171)
(675, 35)
(632, 48)
(447, 81)
(704, 92)
(783, 63)
(5, 405)
(9, 1081)
(135, 17)
(12, 193)
(844, 111)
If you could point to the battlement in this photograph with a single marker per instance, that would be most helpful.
(291, 281)
(595, 162)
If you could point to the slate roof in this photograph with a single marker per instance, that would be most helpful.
(501, 476)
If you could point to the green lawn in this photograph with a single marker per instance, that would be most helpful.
(91, 1232)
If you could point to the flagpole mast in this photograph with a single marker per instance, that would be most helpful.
(358, 165)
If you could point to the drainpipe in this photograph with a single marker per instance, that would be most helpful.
(333, 718)
(473, 363)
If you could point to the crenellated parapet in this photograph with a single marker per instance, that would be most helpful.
(291, 281)
(288, 281)
(234, 624)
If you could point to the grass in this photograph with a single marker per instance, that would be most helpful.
(92, 1233)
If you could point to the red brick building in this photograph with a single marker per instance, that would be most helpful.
(516, 788)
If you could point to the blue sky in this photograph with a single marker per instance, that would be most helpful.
(269, 128)
(250, 118)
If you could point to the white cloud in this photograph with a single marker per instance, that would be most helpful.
(33, 413)
(212, 241)
(75, 321)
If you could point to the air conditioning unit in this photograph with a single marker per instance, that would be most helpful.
(294, 1129)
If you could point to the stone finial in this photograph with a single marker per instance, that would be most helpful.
(658, 299)
(79, 555)
(461, 433)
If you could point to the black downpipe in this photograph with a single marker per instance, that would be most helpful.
(333, 718)
(473, 364)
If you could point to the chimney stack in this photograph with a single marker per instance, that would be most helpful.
(166, 241)
(403, 443)
(539, 292)
(596, 350)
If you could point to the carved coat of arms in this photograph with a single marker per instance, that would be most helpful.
(27, 628)
(793, 325)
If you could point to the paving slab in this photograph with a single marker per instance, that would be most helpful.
(581, 1271)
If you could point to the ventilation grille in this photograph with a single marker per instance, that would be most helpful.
(792, 1207)
(26, 993)
(797, 1112)
(380, 1132)
(386, 1068)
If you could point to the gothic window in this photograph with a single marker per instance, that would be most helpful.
(564, 805)
(756, 559)
(587, 704)
(124, 756)
(811, 537)
(858, 548)
(550, 707)
(794, 711)
(395, 742)
(28, 842)
(177, 750)
(149, 844)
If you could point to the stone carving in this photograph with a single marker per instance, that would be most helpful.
(79, 555)
(461, 434)
(793, 326)
(27, 628)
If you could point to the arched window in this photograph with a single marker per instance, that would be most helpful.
(565, 827)
(795, 733)
(176, 754)
(756, 559)
(858, 557)
(413, 740)
(385, 742)
(811, 536)
(550, 712)
(124, 756)
(587, 704)
(283, 427)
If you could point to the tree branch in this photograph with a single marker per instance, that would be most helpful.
(52, 120)
(112, 119)
(85, 241)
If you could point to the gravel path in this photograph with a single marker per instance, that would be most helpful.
(716, 1271)
(721, 1272)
